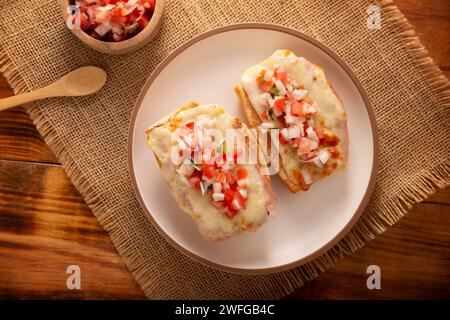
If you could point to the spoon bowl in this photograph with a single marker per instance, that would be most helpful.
(79, 82)
(83, 81)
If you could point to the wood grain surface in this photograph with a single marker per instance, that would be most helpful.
(45, 225)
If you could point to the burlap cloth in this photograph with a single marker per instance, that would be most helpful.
(410, 96)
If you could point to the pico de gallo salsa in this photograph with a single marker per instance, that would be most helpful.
(289, 108)
(113, 20)
(224, 182)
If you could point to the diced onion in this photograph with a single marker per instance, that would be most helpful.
(236, 204)
(312, 134)
(324, 156)
(217, 187)
(106, 8)
(306, 176)
(243, 193)
(182, 145)
(218, 196)
(285, 133)
(289, 119)
(280, 86)
(267, 125)
(103, 28)
(294, 132)
(317, 162)
(299, 94)
(202, 187)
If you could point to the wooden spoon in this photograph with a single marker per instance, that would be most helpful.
(80, 82)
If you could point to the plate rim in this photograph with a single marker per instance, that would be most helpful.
(374, 170)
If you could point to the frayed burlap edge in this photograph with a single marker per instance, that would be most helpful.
(370, 225)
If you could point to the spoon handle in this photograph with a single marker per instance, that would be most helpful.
(23, 98)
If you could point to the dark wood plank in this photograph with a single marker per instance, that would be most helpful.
(431, 19)
(414, 258)
(19, 139)
(45, 226)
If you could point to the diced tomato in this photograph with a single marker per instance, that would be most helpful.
(241, 173)
(278, 105)
(195, 181)
(282, 139)
(120, 11)
(143, 22)
(190, 125)
(118, 16)
(230, 212)
(265, 85)
(282, 121)
(297, 109)
(208, 171)
(229, 194)
(280, 74)
(230, 178)
(132, 16)
(265, 115)
(102, 16)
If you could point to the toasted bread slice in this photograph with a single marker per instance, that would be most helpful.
(297, 172)
(196, 192)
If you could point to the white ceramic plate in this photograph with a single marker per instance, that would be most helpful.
(206, 69)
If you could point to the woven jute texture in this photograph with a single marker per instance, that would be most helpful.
(410, 97)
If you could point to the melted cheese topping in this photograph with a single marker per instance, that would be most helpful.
(332, 116)
(211, 221)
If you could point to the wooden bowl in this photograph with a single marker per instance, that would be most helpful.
(134, 43)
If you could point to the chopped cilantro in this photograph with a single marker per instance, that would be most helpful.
(270, 112)
(261, 80)
(275, 91)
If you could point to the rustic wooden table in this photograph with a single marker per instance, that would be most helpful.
(46, 226)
